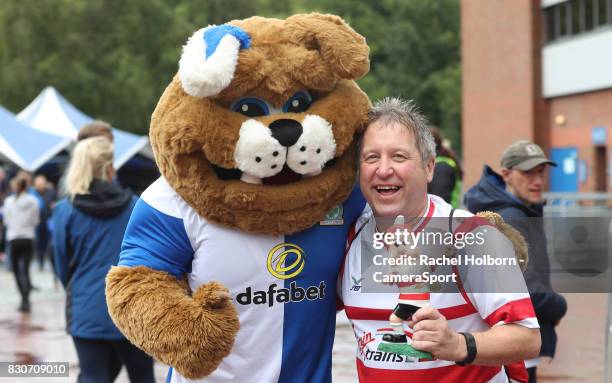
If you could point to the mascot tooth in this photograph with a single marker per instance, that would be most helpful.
(258, 154)
(314, 148)
(229, 264)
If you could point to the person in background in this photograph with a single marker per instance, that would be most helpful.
(4, 190)
(21, 215)
(396, 161)
(516, 195)
(99, 128)
(446, 182)
(96, 128)
(4, 184)
(88, 229)
(45, 196)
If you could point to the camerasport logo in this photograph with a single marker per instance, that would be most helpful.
(284, 261)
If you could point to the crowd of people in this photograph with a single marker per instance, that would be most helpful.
(80, 230)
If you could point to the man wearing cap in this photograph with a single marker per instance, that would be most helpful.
(516, 195)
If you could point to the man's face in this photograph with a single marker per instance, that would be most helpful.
(527, 185)
(40, 184)
(392, 176)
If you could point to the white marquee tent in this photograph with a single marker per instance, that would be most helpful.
(25, 147)
(51, 113)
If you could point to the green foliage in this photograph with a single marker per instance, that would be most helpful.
(113, 58)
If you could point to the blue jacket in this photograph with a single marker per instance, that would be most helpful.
(87, 240)
(490, 194)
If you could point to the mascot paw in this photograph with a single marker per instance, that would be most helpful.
(190, 333)
(213, 295)
(218, 331)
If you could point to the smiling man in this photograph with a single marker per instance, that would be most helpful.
(470, 335)
(394, 175)
(516, 195)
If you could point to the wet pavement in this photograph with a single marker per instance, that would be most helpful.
(40, 336)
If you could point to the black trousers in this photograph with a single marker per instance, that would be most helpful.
(42, 243)
(21, 256)
(96, 355)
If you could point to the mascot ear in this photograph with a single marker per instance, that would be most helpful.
(209, 59)
(344, 50)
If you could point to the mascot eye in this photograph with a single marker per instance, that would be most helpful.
(251, 107)
(298, 103)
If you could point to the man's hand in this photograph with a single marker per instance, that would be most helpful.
(433, 334)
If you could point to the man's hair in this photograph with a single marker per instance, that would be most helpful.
(391, 110)
(94, 129)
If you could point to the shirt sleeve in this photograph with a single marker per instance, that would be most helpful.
(7, 210)
(61, 216)
(157, 240)
(35, 212)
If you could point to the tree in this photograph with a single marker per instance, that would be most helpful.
(113, 58)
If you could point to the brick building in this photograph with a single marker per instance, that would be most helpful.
(540, 70)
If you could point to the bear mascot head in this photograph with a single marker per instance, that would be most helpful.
(255, 138)
(257, 129)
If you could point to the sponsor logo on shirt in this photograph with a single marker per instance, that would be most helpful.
(277, 259)
(368, 343)
(284, 261)
(334, 217)
(356, 284)
(281, 295)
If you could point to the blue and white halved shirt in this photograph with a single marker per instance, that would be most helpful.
(283, 287)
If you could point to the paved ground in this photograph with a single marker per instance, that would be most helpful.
(40, 336)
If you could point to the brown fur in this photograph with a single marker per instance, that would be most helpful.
(520, 246)
(193, 334)
(188, 134)
(320, 53)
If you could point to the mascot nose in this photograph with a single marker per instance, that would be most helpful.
(286, 131)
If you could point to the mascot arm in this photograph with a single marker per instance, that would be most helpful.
(152, 305)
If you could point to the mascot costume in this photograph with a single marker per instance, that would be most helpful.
(229, 263)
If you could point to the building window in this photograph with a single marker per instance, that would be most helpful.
(574, 17)
(587, 14)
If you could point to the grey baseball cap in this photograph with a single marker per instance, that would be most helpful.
(524, 155)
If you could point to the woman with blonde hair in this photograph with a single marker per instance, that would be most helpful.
(88, 229)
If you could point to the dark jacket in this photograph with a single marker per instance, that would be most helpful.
(87, 236)
(446, 181)
(443, 181)
(490, 194)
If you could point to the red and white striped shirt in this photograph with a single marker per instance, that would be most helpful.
(466, 311)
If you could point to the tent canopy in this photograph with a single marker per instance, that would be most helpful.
(26, 147)
(51, 113)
